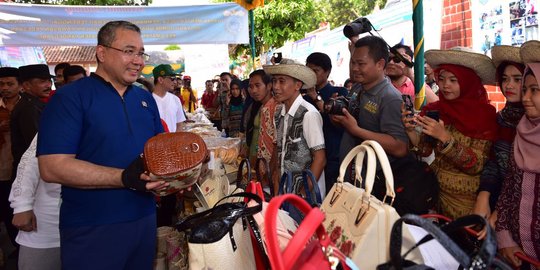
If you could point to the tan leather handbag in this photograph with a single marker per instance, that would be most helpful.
(175, 157)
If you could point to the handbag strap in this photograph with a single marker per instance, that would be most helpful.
(221, 211)
(240, 173)
(387, 170)
(307, 175)
(267, 172)
(484, 257)
(396, 240)
(255, 188)
(312, 223)
(371, 165)
(347, 161)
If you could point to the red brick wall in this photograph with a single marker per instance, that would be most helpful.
(456, 30)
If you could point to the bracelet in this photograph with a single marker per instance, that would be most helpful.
(444, 147)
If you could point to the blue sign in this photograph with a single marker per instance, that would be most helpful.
(50, 25)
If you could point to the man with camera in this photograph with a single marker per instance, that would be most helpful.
(322, 93)
(374, 111)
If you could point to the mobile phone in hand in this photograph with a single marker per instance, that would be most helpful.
(433, 115)
(409, 106)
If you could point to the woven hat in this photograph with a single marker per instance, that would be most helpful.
(530, 51)
(505, 53)
(293, 69)
(461, 56)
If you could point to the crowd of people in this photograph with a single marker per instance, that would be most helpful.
(70, 162)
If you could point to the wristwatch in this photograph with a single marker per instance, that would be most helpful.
(318, 98)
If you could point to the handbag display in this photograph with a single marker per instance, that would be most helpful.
(358, 222)
(294, 183)
(301, 253)
(220, 238)
(483, 258)
(176, 158)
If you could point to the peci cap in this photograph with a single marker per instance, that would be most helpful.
(34, 71)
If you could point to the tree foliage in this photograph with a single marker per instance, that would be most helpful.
(339, 12)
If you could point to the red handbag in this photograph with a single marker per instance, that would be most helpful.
(319, 253)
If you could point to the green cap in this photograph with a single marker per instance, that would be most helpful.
(163, 70)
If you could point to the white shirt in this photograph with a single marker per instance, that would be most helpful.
(170, 110)
(30, 192)
(312, 131)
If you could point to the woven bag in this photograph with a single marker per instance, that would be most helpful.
(175, 157)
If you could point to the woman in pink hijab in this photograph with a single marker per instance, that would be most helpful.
(518, 221)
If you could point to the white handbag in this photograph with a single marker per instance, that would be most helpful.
(356, 221)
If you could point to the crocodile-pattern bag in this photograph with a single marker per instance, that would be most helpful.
(175, 157)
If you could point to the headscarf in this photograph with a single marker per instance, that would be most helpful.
(527, 142)
(236, 101)
(470, 113)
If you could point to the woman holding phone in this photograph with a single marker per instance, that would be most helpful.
(459, 128)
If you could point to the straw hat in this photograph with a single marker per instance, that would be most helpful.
(293, 69)
(461, 56)
(504, 53)
(530, 51)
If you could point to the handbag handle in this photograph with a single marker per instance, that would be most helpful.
(219, 212)
(371, 165)
(307, 175)
(396, 240)
(267, 172)
(239, 174)
(527, 259)
(386, 168)
(311, 224)
(347, 161)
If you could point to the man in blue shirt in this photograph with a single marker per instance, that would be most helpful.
(321, 64)
(90, 139)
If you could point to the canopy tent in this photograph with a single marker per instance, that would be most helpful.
(49, 25)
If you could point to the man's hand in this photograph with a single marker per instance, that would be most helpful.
(25, 221)
(135, 177)
(347, 121)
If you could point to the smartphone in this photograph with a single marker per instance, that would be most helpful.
(409, 106)
(433, 115)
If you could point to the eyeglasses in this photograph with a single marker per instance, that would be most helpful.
(130, 53)
(396, 59)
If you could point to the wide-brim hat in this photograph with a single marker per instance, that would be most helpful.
(479, 63)
(293, 69)
(505, 53)
(530, 51)
(40, 71)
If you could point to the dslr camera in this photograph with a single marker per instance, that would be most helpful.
(357, 27)
(336, 105)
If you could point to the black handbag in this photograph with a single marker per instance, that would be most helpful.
(415, 184)
(483, 258)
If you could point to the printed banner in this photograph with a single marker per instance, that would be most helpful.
(49, 25)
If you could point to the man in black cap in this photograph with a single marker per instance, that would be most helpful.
(10, 94)
(36, 83)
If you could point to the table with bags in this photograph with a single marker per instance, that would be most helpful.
(245, 224)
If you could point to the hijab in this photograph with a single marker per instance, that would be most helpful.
(527, 141)
(470, 113)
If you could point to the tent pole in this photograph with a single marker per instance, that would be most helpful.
(418, 36)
